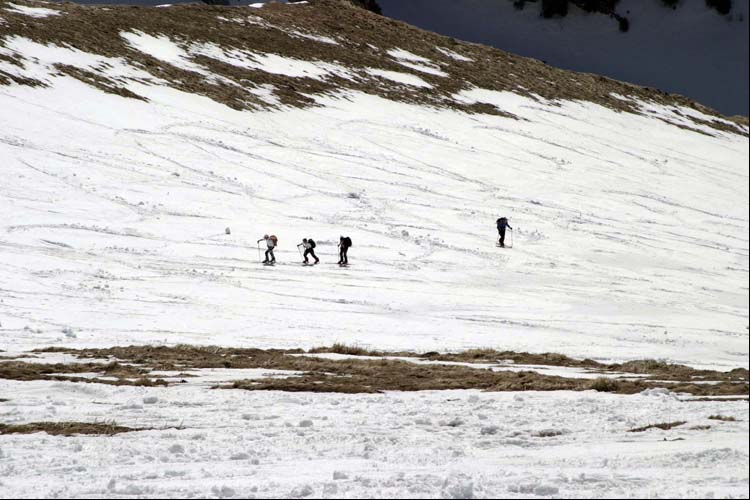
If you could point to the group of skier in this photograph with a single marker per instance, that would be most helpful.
(308, 244)
(345, 242)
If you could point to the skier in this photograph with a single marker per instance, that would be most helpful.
(309, 245)
(344, 244)
(502, 223)
(271, 242)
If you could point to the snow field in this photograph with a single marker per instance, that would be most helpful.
(113, 227)
(430, 444)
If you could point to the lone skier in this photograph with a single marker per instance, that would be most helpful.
(502, 223)
(344, 244)
(271, 242)
(309, 245)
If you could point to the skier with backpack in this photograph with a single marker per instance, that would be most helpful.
(344, 244)
(309, 245)
(502, 223)
(271, 242)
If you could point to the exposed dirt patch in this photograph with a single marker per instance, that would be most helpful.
(359, 375)
(68, 428)
(332, 32)
(665, 426)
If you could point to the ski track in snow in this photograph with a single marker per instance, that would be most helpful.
(615, 256)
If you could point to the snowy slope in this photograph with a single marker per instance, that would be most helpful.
(691, 49)
(631, 234)
(126, 156)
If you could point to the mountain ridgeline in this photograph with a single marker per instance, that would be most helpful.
(359, 47)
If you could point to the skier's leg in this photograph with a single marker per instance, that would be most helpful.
(502, 237)
(341, 255)
(267, 258)
(273, 257)
(312, 252)
(346, 257)
(305, 254)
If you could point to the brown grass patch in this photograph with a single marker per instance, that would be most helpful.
(359, 376)
(68, 428)
(656, 369)
(373, 375)
(722, 418)
(347, 350)
(124, 375)
(468, 356)
(665, 426)
(604, 384)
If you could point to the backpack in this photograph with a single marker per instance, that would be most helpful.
(348, 242)
(274, 239)
(311, 242)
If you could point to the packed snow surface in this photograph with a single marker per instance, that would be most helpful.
(445, 444)
(397, 76)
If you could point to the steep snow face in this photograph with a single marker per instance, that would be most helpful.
(630, 234)
(691, 50)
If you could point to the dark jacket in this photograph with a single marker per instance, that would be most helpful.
(502, 223)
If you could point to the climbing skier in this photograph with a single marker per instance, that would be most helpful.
(309, 245)
(502, 223)
(271, 242)
(344, 244)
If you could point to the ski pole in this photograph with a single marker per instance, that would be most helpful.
(300, 251)
(259, 251)
(511, 238)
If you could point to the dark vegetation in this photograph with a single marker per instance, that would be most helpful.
(723, 7)
(560, 8)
